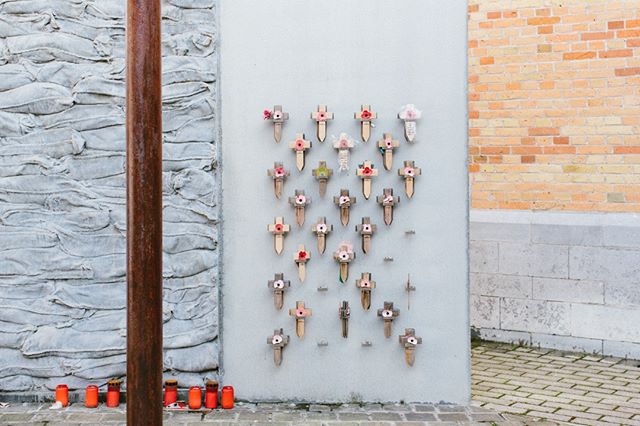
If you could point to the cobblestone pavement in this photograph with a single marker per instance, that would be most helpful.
(510, 386)
(557, 386)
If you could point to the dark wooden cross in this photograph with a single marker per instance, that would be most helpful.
(278, 285)
(344, 202)
(279, 175)
(409, 341)
(388, 314)
(278, 341)
(322, 175)
(365, 284)
(388, 202)
(366, 230)
(344, 312)
(299, 202)
(322, 229)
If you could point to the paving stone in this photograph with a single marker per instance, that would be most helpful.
(453, 417)
(422, 407)
(386, 416)
(420, 416)
(353, 416)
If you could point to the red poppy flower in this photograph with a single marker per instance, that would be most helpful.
(299, 145)
(267, 114)
(366, 114)
(278, 227)
(302, 255)
(367, 171)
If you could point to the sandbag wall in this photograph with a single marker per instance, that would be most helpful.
(62, 192)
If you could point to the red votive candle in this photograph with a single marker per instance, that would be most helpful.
(91, 397)
(226, 400)
(211, 394)
(113, 393)
(62, 394)
(170, 392)
(195, 397)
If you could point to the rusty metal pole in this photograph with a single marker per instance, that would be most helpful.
(144, 214)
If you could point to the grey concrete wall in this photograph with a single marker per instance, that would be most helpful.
(62, 192)
(382, 52)
(561, 280)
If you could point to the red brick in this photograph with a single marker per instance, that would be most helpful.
(543, 131)
(487, 60)
(494, 15)
(559, 149)
(474, 8)
(561, 140)
(578, 56)
(473, 44)
(620, 53)
(625, 72)
(626, 150)
(474, 168)
(634, 42)
(474, 114)
(597, 36)
(615, 25)
(545, 29)
(543, 20)
(634, 23)
(629, 33)
(527, 159)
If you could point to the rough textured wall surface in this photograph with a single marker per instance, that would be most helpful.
(556, 279)
(62, 192)
(554, 108)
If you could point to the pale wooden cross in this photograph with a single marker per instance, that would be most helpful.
(366, 230)
(344, 255)
(279, 230)
(409, 173)
(278, 284)
(386, 145)
(299, 202)
(321, 228)
(279, 175)
(278, 340)
(321, 116)
(366, 171)
(344, 202)
(409, 341)
(300, 145)
(365, 116)
(365, 284)
(322, 175)
(343, 144)
(388, 201)
(300, 313)
(388, 314)
(344, 312)
(301, 257)
(278, 117)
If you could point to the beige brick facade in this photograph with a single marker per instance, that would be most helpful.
(554, 105)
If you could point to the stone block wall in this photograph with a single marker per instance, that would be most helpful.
(62, 192)
(563, 280)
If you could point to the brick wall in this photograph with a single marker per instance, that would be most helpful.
(554, 93)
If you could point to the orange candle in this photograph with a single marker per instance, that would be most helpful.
(195, 397)
(91, 397)
(62, 394)
(226, 400)
(170, 392)
(113, 393)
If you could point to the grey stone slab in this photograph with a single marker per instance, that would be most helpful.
(386, 416)
(565, 290)
(506, 336)
(425, 408)
(623, 293)
(491, 231)
(538, 260)
(567, 235)
(605, 322)
(420, 416)
(485, 311)
(500, 285)
(567, 343)
(535, 316)
(483, 256)
(621, 349)
(453, 417)
(622, 236)
(606, 264)
(353, 416)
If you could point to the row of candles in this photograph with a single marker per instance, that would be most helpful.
(170, 395)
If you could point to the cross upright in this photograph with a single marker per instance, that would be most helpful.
(300, 145)
(321, 116)
(279, 229)
(386, 145)
(300, 312)
(365, 116)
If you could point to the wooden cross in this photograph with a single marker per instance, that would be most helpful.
(278, 284)
(344, 202)
(388, 314)
(409, 114)
(409, 341)
(366, 171)
(321, 116)
(278, 117)
(278, 341)
(344, 312)
(409, 173)
(279, 229)
(321, 228)
(386, 145)
(278, 174)
(365, 116)
(344, 255)
(366, 229)
(365, 284)
(408, 287)
(299, 202)
(343, 144)
(301, 257)
(300, 313)
(322, 175)
(300, 145)
(388, 201)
